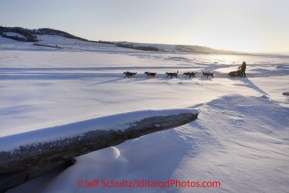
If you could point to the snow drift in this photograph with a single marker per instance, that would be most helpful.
(243, 147)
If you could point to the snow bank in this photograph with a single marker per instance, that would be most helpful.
(114, 122)
(239, 141)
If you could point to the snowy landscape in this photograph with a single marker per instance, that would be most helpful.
(240, 138)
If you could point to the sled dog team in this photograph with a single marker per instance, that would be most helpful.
(169, 74)
(238, 73)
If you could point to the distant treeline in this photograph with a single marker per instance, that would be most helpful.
(100, 41)
(204, 50)
(29, 36)
(46, 45)
(145, 48)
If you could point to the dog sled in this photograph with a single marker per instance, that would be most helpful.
(234, 74)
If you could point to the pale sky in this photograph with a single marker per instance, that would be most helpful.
(241, 25)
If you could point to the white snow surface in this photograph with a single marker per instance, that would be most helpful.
(240, 138)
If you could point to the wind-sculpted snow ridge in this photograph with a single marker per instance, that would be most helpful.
(113, 122)
(46, 149)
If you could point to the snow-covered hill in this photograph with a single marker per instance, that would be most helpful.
(51, 38)
(240, 138)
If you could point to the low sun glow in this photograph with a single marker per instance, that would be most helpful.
(226, 40)
(230, 45)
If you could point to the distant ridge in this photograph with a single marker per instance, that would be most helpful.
(203, 50)
(30, 35)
